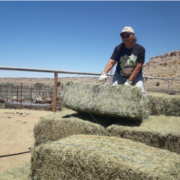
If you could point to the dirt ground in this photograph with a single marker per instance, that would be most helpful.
(16, 134)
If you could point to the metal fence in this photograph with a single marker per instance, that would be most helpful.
(162, 85)
(28, 94)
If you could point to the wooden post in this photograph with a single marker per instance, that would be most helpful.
(12, 89)
(21, 96)
(17, 94)
(168, 86)
(55, 91)
(7, 92)
(31, 94)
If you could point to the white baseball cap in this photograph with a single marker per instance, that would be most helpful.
(127, 29)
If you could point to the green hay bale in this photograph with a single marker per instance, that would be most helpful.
(21, 172)
(53, 128)
(158, 131)
(106, 100)
(164, 104)
(97, 157)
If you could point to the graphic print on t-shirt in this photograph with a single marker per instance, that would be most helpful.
(127, 64)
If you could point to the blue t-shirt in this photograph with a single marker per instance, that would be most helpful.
(127, 58)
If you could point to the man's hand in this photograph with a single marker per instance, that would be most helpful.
(103, 76)
(128, 82)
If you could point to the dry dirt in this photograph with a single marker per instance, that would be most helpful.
(16, 134)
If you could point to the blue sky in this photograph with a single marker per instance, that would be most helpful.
(81, 36)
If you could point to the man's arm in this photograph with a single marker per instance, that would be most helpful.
(110, 65)
(136, 71)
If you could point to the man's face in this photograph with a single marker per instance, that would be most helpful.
(128, 39)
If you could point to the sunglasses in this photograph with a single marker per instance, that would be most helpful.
(125, 36)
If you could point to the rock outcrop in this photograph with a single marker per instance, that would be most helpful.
(167, 65)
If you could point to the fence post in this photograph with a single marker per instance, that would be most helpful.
(17, 94)
(21, 96)
(12, 88)
(31, 94)
(6, 91)
(55, 91)
(51, 94)
(168, 86)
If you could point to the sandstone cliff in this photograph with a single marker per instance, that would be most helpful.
(167, 65)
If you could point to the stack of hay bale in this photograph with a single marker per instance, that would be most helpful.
(68, 147)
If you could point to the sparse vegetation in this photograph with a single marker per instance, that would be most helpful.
(58, 83)
(38, 85)
(157, 84)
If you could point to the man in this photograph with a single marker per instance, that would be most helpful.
(129, 57)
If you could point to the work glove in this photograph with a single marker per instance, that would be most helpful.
(103, 77)
(128, 82)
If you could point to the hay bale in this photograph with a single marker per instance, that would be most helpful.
(49, 129)
(158, 131)
(106, 100)
(97, 157)
(21, 172)
(164, 104)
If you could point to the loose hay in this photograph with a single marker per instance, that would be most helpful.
(164, 104)
(158, 131)
(83, 157)
(21, 172)
(106, 100)
(52, 129)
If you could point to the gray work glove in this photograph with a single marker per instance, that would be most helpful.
(103, 77)
(128, 82)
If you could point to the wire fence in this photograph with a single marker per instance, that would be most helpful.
(167, 86)
(28, 94)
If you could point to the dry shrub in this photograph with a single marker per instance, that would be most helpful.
(106, 100)
(158, 131)
(83, 157)
(21, 172)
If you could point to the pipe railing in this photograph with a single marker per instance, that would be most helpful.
(73, 72)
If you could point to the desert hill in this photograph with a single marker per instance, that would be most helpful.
(167, 65)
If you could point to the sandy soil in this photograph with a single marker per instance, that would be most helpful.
(16, 134)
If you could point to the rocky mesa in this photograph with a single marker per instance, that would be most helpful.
(167, 65)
